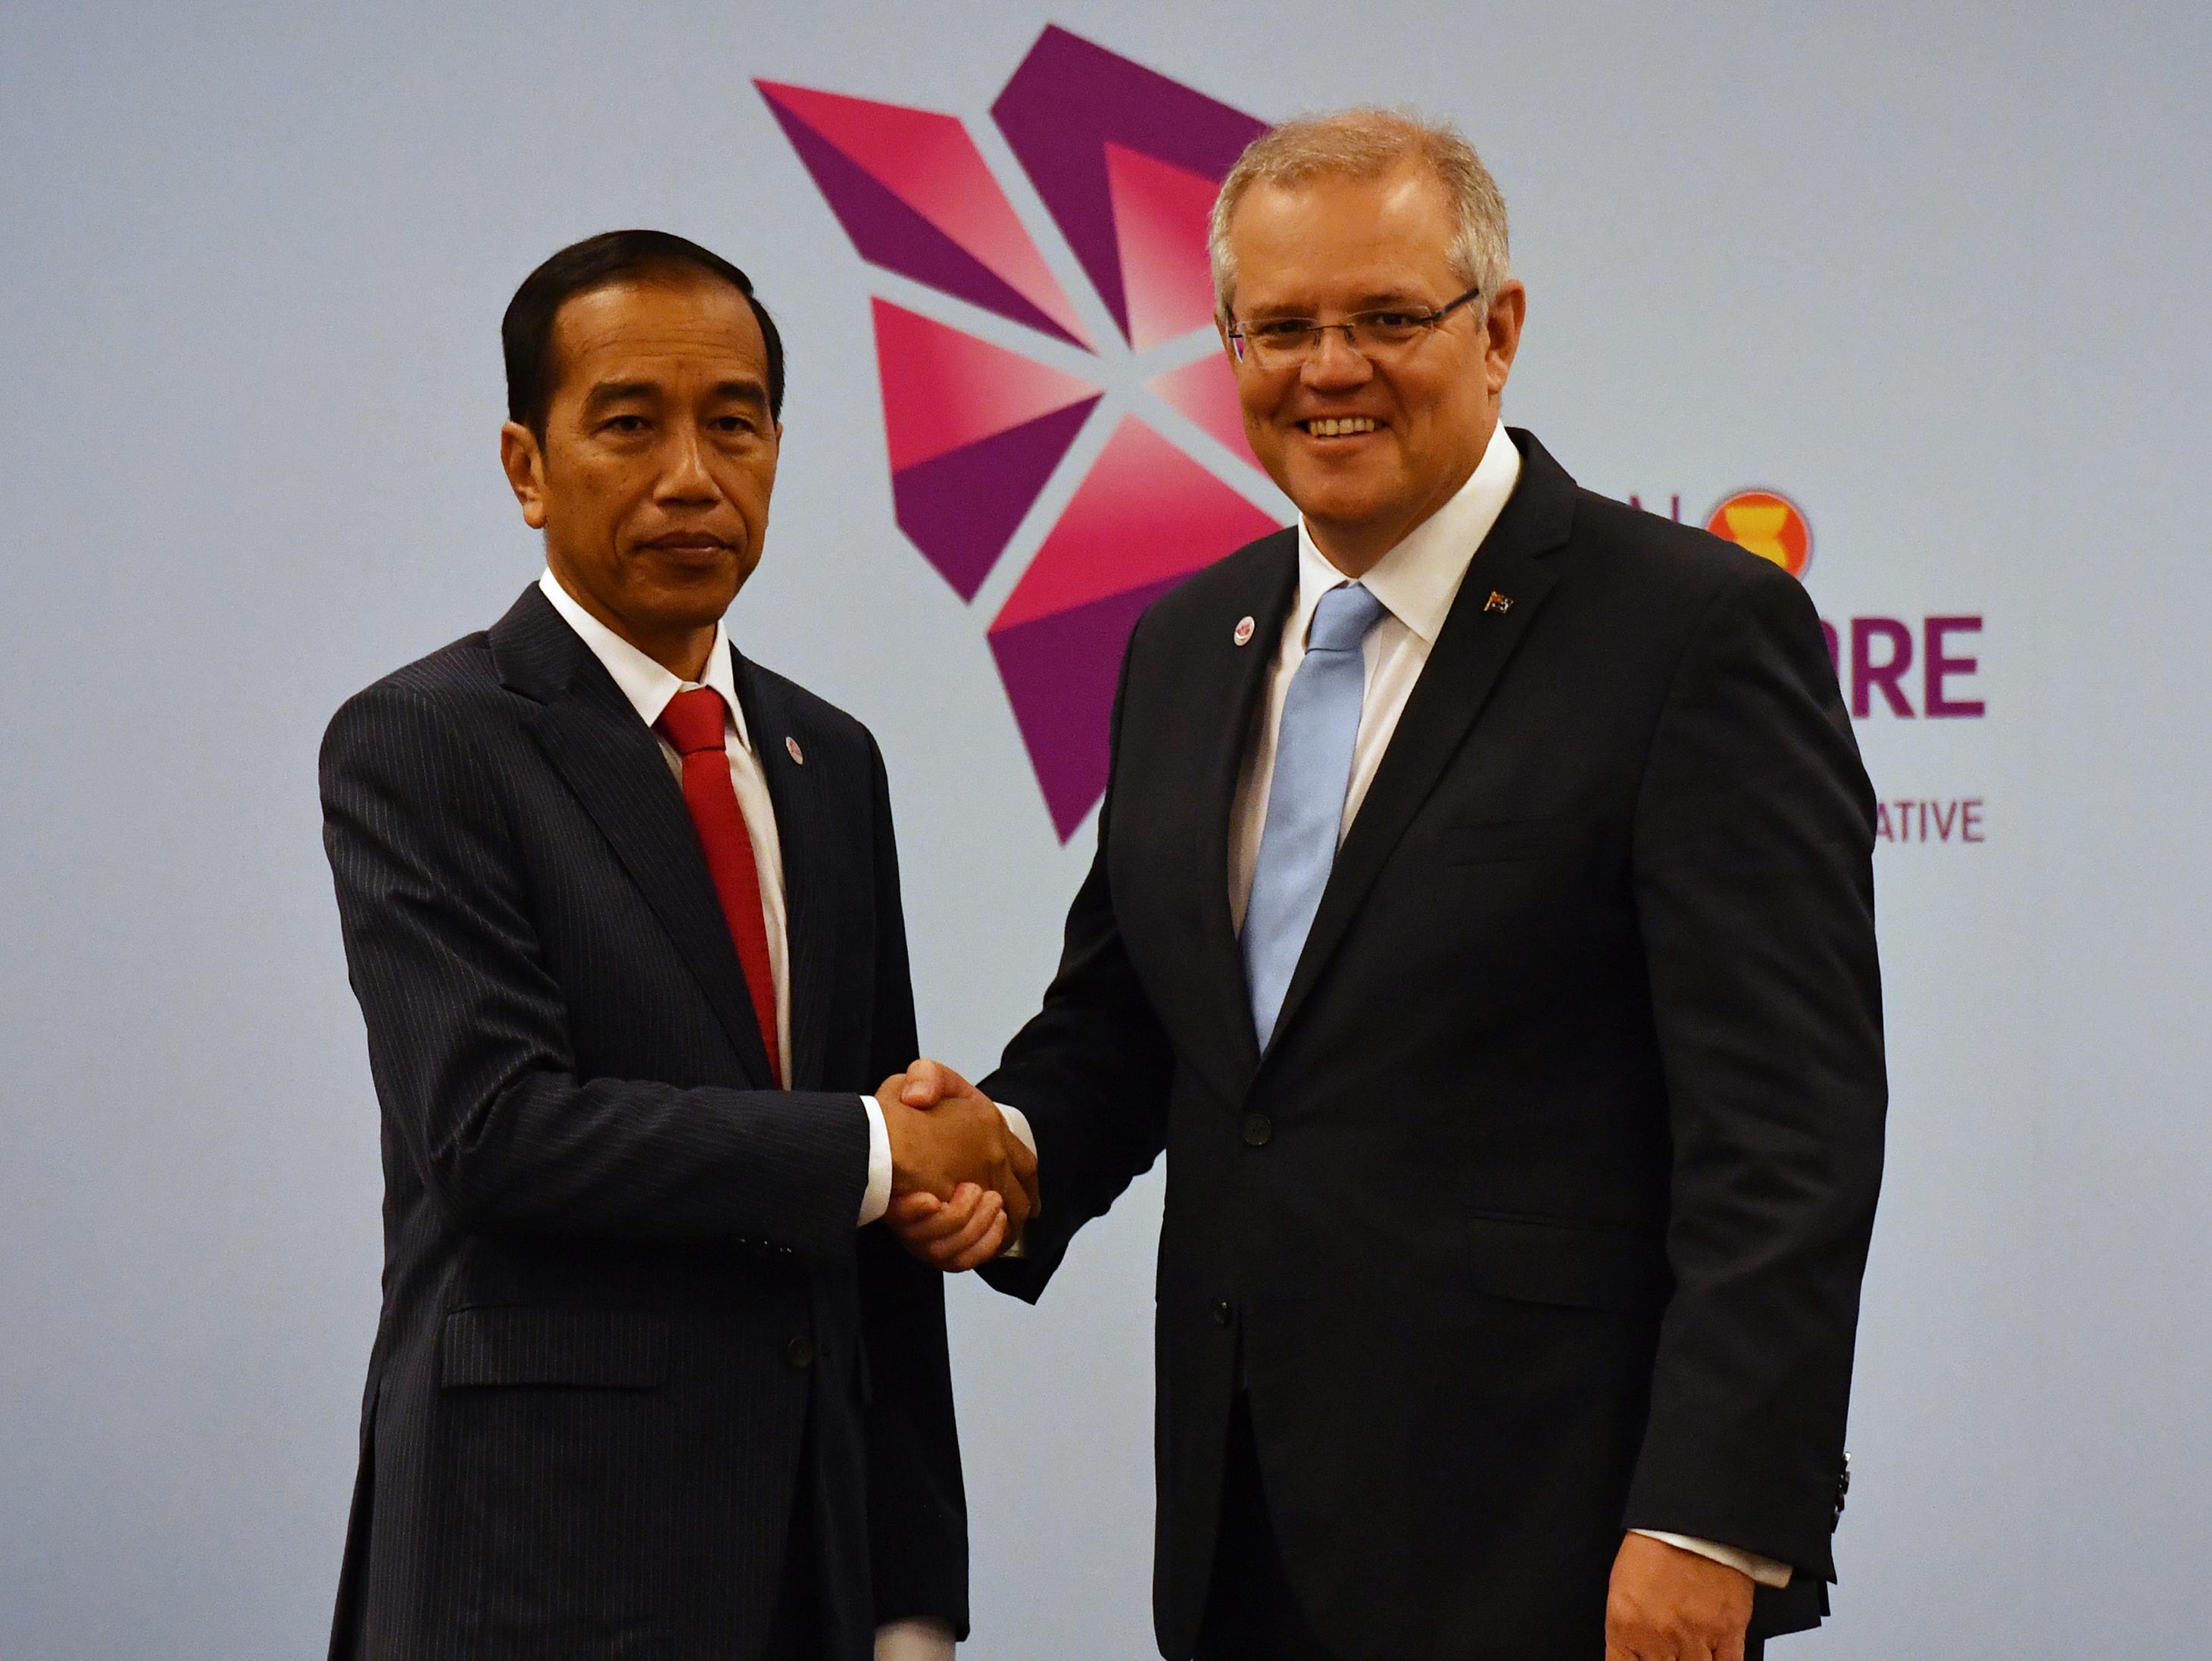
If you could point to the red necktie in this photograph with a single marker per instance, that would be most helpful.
(693, 722)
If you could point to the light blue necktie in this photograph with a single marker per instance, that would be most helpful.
(1305, 802)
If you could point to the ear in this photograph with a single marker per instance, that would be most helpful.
(523, 458)
(1507, 312)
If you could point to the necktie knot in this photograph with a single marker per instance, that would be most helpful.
(1342, 620)
(694, 720)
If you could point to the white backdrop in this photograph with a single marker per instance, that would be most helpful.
(1938, 273)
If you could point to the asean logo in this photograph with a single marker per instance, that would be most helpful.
(1126, 163)
(1767, 524)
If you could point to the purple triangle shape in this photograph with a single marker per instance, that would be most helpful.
(1059, 672)
(962, 507)
(890, 234)
(1068, 100)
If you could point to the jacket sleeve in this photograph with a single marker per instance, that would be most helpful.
(1092, 1068)
(468, 1032)
(1753, 867)
(917, 1504)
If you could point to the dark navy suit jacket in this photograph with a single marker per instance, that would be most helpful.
(629, 1329)
(1543, 1214)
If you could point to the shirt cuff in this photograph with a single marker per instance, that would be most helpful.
(917, 1638)
(1763, 1570)
(1019, 1122)
(878, 1199)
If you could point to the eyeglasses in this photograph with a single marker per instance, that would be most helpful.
(1281, 343)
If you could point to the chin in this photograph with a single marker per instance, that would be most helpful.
(695, 599)
(1337, 500)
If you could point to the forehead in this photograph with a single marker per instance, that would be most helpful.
(1343, 240)
(658, 327)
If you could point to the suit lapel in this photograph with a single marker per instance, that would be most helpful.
(1238, 678)
(806, 833)
(612, 762)
(1470, 652)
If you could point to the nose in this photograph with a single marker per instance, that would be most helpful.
(685, 478)
(1334, 363)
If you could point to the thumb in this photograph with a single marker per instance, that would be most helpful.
(928, 1083)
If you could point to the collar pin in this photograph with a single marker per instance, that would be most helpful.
(797, 754)
(1243, 634)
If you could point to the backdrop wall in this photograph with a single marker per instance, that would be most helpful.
(1935, 275)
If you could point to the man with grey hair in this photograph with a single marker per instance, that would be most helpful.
(1482, 922)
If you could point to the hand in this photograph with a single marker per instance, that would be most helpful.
(944, 1132)
(1669, 1604)
(956, 1237)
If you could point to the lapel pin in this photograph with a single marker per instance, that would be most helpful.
(1243, 634)
(797, 754)
(1498, 602)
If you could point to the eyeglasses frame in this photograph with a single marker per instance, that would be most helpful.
(1240, 344)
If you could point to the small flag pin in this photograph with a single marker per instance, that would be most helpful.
(797, 754)
(1243, 634)
(1498, 602)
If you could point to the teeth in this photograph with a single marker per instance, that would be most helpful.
(1326, 427)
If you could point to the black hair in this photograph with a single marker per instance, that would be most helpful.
(525, 333)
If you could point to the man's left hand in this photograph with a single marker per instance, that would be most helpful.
(1669, 1604)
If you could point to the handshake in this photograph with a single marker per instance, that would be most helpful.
(962, 1183)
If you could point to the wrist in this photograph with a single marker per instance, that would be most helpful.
(898, 1119)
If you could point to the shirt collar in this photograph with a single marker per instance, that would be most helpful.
(646, 684)
(1418, 579)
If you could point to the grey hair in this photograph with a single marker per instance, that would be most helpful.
(1368, 143)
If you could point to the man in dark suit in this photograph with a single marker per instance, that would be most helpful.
(622, 908)
(1482, 923)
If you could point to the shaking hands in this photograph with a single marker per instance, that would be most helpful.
(961, 1183)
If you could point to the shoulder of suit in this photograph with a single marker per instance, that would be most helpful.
(453, 691)
(452, 675)
(1241, 575)
(1612, 540)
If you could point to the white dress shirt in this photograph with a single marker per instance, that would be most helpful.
(649, 686)
(1417, 582)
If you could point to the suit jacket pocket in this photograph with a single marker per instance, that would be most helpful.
(1580, 1267)
(1493, 841)
(581, 1348)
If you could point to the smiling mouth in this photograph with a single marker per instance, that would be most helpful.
(1340, 426)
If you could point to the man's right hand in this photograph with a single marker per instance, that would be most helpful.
(944, 1132)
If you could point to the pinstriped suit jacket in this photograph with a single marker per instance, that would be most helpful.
(628, 1323)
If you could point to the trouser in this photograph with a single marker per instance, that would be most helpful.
(794, 1633)
(1251, 1613)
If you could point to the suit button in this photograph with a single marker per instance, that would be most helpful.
(800, 1352)
(1258, 1127)
(1223, 1314)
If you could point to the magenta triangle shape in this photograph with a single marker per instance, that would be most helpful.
(1069, 99)
(891, 234)
(1059, 672)
(962, 507)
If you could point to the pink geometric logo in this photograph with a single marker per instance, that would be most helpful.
(1125, 162)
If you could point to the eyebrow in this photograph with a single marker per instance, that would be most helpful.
(745, 391)
(619, 391)
(1379, 300)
